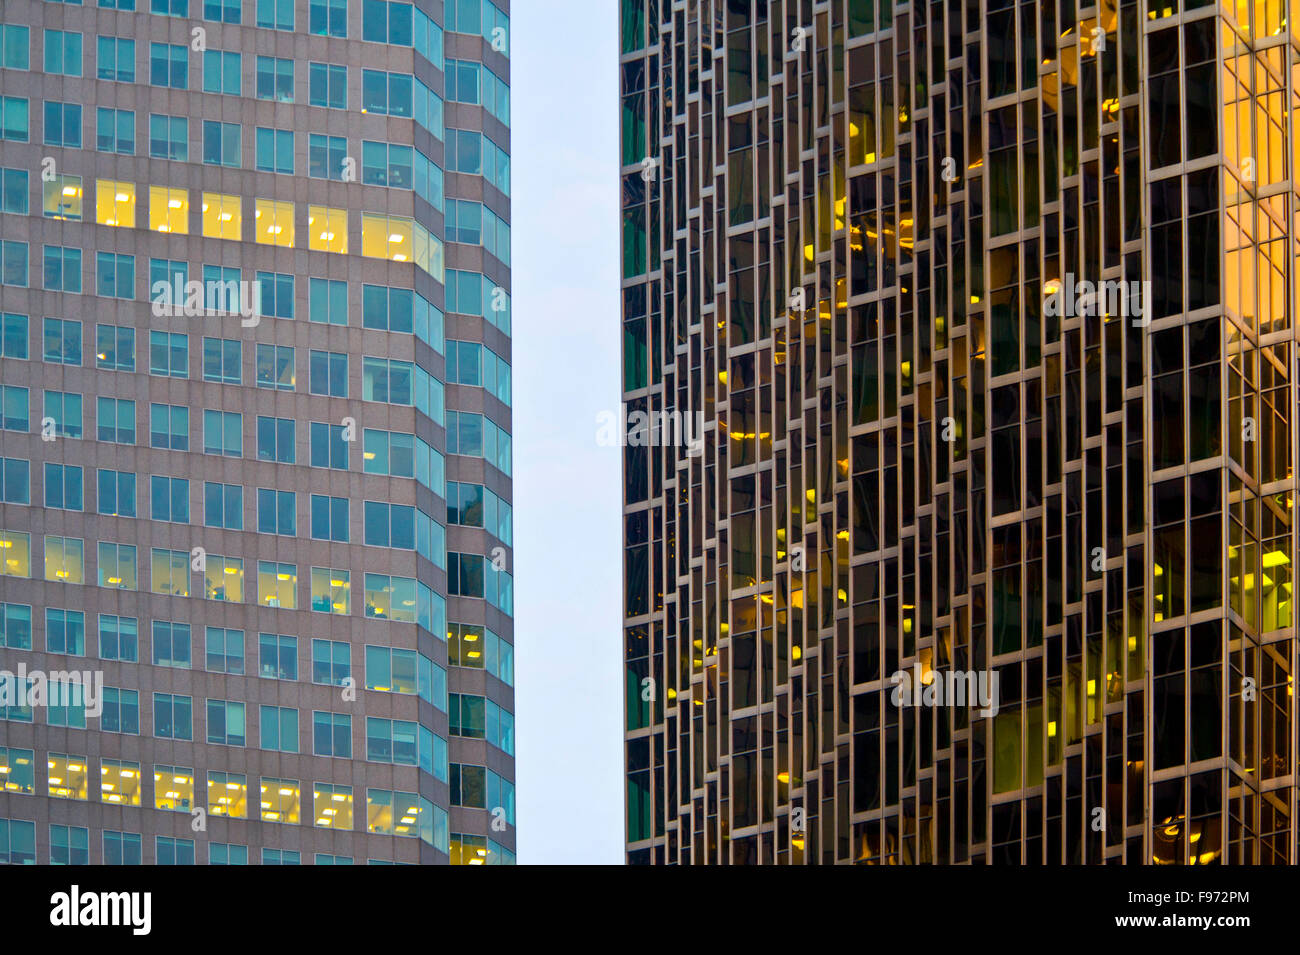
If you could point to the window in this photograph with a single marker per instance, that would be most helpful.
(277, 584)
(65, 559)
(333, 811)
(171, 644)
(327, 229)
(167, 280)
(400, 239)
(15, 481)
(15, 119)
(119, 638)
(221, 289)
(61, 198)
(223, 360)
(327, 85)
(331, 590)
(275, 440)
(221, 145)
(471, 82)
(221, 72)
(69, 845)
(169, 354)
(173, 716)
(331, 734)
(389, 452)
(169, 66)
(170, 572)
(169, 210)
(62, 52)
(328, 373)
(64, 409)
(274, 79)
(18, 770)
(115, 275)
(387, 164)
(277, 656)
(115, 60)
(170, 8)
(222, 11)
(226, 722)
(327, 17)
(274, 149)
(17, 842)
(228, 794)
(115, 420)
(16, 626)
(67, 776)
(277, 512)
(173, 788)
(13, 336)
(62, 341)
(386, 94)
(276, 289)
(115, 203)
(223, 505)
(14, 401)
(121, 712)
(65, 632)
(386, 379)
(389, 525)
(326, 156)
(119, 782)
(174, 851)
(275, 367)
(222, 219)
(280, 800)
(279, 729)
(224, 650)
(116, 493)
(115, 130)
(399, 814)
(169, 499)
(13, 190)
(275, 14)
(329, 518)
(275, 225)
(328, 301)
(169, 137)
(387, 308)
(63, 486)
(391, 741)
(331, 662)
(221, 853)
(18, 554)
(115, 347)
(223, 433)
(169, 427)
(390, 670)
(15, 47)
(122, 848)
(473, 153)
(329, 448)
(62, 269)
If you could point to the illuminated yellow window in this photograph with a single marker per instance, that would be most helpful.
(274, 223)
(280, 799)
(333, 806)
(65, 559)
(119, 782)
(222, 216)
(62, 197)
(115, 203)
(387, 237)
(327, 229)
(17, 554)
(228, 795)
(277, 584)
(223, 578)
(169, 210)
(173, 788)
(67, 776)
(331, 591)
(18, 770)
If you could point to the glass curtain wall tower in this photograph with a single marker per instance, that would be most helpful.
(255, 379)
(862, 239)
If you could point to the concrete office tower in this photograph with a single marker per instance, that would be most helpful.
(987, 555)
(255, 375)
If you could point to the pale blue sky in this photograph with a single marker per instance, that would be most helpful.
(568, 556)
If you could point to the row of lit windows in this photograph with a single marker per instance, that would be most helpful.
(402, 599)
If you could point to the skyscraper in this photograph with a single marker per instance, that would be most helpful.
(987, 312)
(255, 366)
